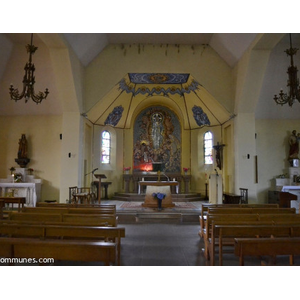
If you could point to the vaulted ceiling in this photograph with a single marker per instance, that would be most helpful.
(87, 46)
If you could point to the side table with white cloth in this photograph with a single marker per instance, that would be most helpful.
(30, 190)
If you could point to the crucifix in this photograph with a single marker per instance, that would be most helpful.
(219, 154)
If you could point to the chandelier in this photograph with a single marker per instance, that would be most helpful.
(28, 81)
(293, 82)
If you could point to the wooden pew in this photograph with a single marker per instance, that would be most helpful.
(266, 246)
(243, 219)
(256, 210)
(2, 204)
(72, 250)
(71, 219)
(241, 210)
(65, 232)
(46, 204)
(90, 219)
(206, 206)
(31, 217)
(63, 210)
(225, 234)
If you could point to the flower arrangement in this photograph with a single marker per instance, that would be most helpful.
(127, 168)
(30, 170)
(185, 170)
(159, 196)
(283, 175)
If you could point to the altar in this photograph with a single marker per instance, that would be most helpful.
(30, 190)
(28, 187)
(154, 187)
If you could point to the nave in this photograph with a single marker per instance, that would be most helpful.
(161, 244)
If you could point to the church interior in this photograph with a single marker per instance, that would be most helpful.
(159, 126)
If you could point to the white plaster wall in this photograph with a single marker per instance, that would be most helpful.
(272, 151)
(44, 149)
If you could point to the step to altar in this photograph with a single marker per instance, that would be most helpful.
(141, 197)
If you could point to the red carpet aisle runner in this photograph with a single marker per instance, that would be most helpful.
(178, 205)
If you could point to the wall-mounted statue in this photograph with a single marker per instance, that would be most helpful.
(22, 159)
(294, 145)
(22, 152)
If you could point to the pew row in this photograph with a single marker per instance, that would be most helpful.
(225, 234)
(241, 211)
(267, 246)
(113, 234)
(46, 204)
(72, 219)
(236, 219)
(2, 204)
(72, 210)
(70, 250)
(206, 206)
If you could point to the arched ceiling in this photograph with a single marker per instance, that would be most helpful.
(86, 46)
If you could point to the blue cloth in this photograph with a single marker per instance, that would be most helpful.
(159, 196)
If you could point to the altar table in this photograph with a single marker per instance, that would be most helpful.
(29, 190)
(158, 187)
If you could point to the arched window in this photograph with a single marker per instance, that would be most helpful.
(208, 146)
(105, 147)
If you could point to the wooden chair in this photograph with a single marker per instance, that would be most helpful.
(80, 195)
(244, 196)
(72, 192)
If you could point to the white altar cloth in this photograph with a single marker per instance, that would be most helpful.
(30, 190)
(295, 190)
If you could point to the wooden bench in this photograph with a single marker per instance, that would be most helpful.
(70, 250)
(231, 198)
(63, 210)
(206, 206)
(224, 235)
(91, 219)
(241, 210)
(72, 219)
(14, 200)
(46, 204)
(64, 231)
(2, 204)
(256, 210)
(32, 217)
(244, 219)
(266, 246)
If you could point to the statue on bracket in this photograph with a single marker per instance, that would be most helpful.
(22, 159)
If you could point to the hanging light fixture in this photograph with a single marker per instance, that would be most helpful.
(293, 82)
(28, 81)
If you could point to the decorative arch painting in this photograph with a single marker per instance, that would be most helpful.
(157, 138)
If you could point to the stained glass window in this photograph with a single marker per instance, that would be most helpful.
(105, 149)
(208, 146)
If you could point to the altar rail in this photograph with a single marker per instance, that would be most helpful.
(131, 181)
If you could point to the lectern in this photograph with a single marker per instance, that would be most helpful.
(99, 177)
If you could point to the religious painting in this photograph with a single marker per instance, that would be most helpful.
(157, 139)
(115, 116)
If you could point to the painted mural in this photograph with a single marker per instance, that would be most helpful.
(157, 138)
